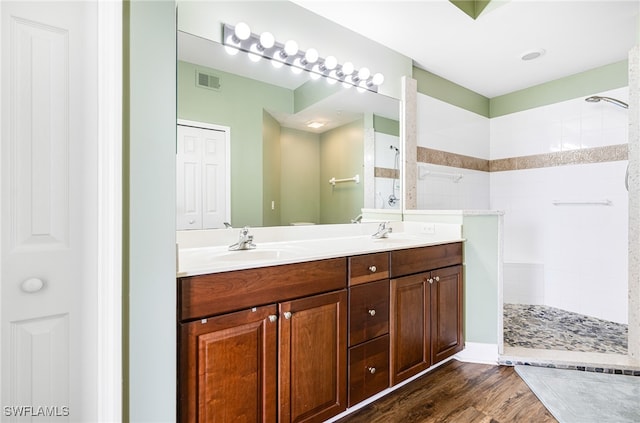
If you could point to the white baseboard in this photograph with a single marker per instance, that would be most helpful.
(475, 352)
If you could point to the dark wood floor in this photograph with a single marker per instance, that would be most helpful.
(458, 392)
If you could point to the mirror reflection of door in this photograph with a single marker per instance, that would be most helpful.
(202, 172)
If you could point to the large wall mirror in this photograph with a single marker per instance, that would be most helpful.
(279, 165)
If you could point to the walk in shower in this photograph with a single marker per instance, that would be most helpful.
(565, 271)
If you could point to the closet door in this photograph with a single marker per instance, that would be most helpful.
(202, 174)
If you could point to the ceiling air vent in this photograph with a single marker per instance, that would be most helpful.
(208, 81)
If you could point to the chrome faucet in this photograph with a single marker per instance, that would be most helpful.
(357, 219)
(383, 231)
(245, 241)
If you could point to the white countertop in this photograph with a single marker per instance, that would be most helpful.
(301, 244)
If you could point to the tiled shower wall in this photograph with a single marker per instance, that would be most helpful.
(566, 152)
(443, 127)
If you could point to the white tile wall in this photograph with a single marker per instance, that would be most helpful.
(523, 283)
(449, 128)
(583, 249)
(445, 127)
(386, 157)
(568, 125)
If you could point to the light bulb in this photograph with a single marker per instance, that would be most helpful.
(232, 51)
(290, 48)
(364, 73)
(311, 56)
(267, 40)
(254, 53)
(316, 73)
(362, 87)
(347, 68)
(276, 63)
(332, 77)
(242, 31)
(378, 79)
(296, 66)
(346, 84)
(330, 62)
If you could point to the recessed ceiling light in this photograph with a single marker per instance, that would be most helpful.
(315, 125)
(532, 54)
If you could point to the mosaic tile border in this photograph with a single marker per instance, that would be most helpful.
(443, 158)
(383, 172)
(607, 370)
(610, 153)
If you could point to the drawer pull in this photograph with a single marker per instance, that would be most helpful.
(373, 269)
(287, 315)
(372, 370)
(437, 278)
(372, 312)
(273, 318)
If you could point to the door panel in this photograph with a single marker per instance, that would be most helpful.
(446, 320)
(202, 178)
(49, 213)
(313, 357)
(409, 326)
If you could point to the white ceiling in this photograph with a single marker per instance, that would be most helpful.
(483, 55)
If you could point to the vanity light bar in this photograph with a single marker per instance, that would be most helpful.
(265, 46)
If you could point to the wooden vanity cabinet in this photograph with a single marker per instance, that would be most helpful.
(368, 326)
(312, 357)
(228, 367)
(285, 361)
(426, 308)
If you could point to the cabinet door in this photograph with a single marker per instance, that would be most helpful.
(409, 326)
(312, 356)
(228, 367)
(446, 312)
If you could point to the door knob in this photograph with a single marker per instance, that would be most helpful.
(273, 318)
(372, 370)
(372, 312)
(32, 285)
(287, 315)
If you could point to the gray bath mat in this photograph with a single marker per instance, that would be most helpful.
(574, 396)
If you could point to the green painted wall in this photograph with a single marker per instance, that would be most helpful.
(271, 163)
(604, 78)
(149, 213)
(338, 147)
(386, 126)
(614, 75)
(300, 176)
(481, 275)
(239, 104)
(445, 90)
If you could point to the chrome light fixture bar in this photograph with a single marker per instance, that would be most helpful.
(265, 46)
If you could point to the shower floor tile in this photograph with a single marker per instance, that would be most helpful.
(543, 327)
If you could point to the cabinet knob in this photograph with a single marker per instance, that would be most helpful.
(287, 315)
(437, 278)
(191, 222)
(372, 370)
(373, 269)
(430, 280)
(372, 312)
(273, 318)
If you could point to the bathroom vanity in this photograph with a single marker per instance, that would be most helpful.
(302, 336)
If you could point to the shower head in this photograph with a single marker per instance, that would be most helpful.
(597, 98)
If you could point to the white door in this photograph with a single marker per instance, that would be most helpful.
(48, 172)
(203, 180)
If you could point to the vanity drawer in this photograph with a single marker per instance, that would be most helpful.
(368, 369)
(416, 260)
(368, 267)
(217, 293)
(368, 311)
